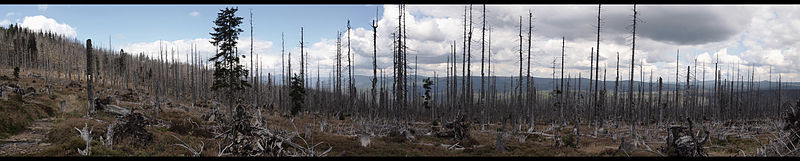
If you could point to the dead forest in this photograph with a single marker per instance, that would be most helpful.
(104, 101)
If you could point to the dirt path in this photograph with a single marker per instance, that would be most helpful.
(31, 141)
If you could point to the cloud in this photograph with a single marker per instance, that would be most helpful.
(204, 49)
(10, 14)
(194, 13)
(693, 30)
(5, 23)
(48, 24)
(42, 7)
(692, 25)
(753, 36)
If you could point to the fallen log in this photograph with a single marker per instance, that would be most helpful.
(117, 110)
(541, 133)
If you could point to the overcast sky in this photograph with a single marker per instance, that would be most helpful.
(755, 36)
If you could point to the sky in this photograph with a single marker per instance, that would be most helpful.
(761, 38)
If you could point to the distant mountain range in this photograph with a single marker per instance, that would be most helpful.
(504, 83)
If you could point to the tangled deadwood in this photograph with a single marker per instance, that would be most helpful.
(681, 141)
(249, 139)
(791, 123)
(13, 88)
(785, 141)
(458, 130)
(402, 134)
(132, 126)
(86, 135)
(213, 115)
(104, 104)
(101, 102)
(194, 152)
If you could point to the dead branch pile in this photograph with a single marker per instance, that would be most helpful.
(682, 141)
(16, 88)
(403, 134)
(785, 142)
(248, 139)
(132, 126)
(104, 104)
(457, 130)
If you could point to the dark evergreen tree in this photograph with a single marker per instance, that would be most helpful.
(298, 94)
(427, 86)
(228, 73)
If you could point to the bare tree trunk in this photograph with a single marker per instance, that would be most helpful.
(374, 57)
(350, 88)
(252, 72)
(561, 102)
(630, 86)
(597, 72)
(469, 90)
(481, 101)
(519, 84)
(616, 94)
(89, 77)
(531, 82)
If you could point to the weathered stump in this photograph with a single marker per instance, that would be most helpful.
(681, 142)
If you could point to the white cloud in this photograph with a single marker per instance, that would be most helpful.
(764, 37)
(42, 7)
(204, 49)
(10, 14)
(194, 13)
(48, 24)
(432, 29)
(5, 23)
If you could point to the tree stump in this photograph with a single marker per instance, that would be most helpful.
(681, 142)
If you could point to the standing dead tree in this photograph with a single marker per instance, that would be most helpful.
(89, 77)
(482, 101)
(530, 84)
(374, 57)
(350, 85)
(520, 101)
(630, 86)
(596, 107)
(469, 91)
